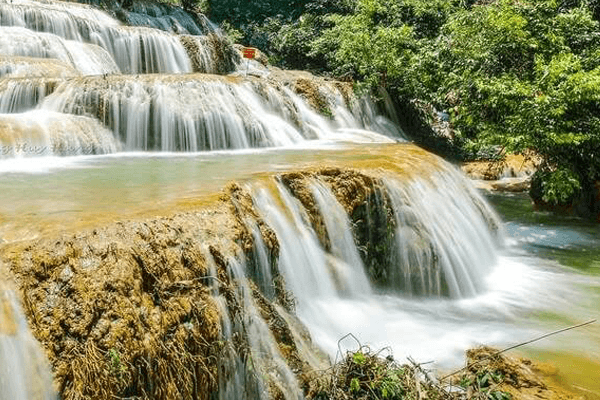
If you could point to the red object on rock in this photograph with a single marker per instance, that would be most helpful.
(249, 52)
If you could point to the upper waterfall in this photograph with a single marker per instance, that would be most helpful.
(134, 50)
(70, 58)
(89, 59)
(202, 112)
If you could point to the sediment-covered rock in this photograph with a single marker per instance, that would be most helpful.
(510, 174)
(130, 310)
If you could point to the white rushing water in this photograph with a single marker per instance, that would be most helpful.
(133, 49)
(89, 59)
(24, 373)
(446, 214)
(199, 113)
(46, 133)
(44, 46)
(443, 239)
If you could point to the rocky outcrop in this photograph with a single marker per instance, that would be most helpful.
(510, 174)
(212, 53)
(129, 310)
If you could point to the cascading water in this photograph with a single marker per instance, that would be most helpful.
(265, 356)
(46, 133)
(46, 45)
(134, 49)
(442, 242)
(448, 230)
(24, 373)
(346, 263)
(167, 18)
(196, 112)
(19, 95)
(406, 260)
(89, 59)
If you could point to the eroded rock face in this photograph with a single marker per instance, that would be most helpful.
(130, 309)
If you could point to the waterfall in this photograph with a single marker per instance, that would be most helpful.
(263, 373)
(89, 59)
(134, 49)
(44, 133)
(266, 357)
(439, 224)
(197, 112)
(68, 58)
(348, 267)
(19, 95)
(24, 374)
(441, 243)
(167, 18)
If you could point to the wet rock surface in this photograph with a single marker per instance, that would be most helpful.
(511, 174)
(128, 310)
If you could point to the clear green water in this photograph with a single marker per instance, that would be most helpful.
(569, 247)
(572, 242)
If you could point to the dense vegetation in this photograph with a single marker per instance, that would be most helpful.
(511, 75)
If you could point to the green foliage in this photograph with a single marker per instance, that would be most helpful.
(491, 40)
(358, 358)
(365, 374)
(117, 368)
(559, 187)
(364, 50)
(484, 382)
(354, 385)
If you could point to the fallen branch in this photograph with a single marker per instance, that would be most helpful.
(519, 345)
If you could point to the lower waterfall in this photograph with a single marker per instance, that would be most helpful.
(24, 374)
(248, 295)
(46, 133)
(443, 242)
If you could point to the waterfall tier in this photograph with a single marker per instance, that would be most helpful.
(46, 133)
(24, 373)
(410, 238)
(134, 50)
(202, 304)
(206, 112)
(89, 59)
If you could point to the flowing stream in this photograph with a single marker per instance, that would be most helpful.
(24, 372)
(102, 122)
